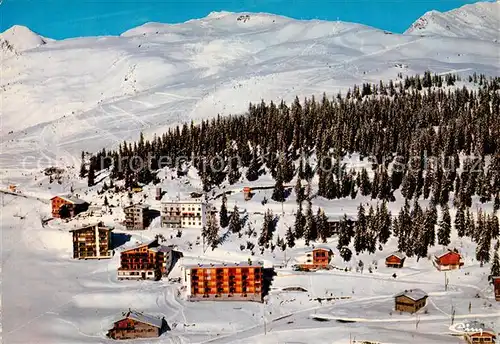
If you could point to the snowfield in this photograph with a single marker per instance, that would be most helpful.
(94, 92)
(61, 97)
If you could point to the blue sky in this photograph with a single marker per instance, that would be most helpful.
(71, 18)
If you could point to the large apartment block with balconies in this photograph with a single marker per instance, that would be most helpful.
(225, 282)
(92, 241)
(183, 214)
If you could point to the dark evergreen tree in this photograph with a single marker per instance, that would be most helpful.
(279, 190)
(385, 222)
(91, 176)
(223, 217)
(444, 231)
(460, 222)
(345, 253)
(322, 225)
(290, 238)
(83, 169)
(360, 229)
(310, 229)
(495, 265)
(299, 223)
(235, 222)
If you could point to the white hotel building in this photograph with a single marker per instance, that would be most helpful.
(184, 214)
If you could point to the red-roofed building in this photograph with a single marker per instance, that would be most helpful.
(448, 260)
(395, 260)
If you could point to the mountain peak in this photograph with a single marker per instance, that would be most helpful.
(478, 21)
(18, 39)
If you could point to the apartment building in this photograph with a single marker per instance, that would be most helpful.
(148, 260)
(184, 214)
(136, 216)
(241, 281)
(92, 241)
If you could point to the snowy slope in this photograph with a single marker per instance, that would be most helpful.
(478, 21)
(96, 91)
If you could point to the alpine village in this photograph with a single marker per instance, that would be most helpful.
(273, 154)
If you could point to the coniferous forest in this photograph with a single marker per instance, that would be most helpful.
(428, 137)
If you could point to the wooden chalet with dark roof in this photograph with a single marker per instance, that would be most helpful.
(410, 301)
(478, 332)
(137, 325)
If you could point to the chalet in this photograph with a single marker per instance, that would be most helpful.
(410, 301)
(70, 205)
(496, 286)
(145, 261)
(316, 258)
(448, 260)
(136, 216)
(137, 325)
(233, 282)
(476, 332)
(395, 260)
(92, 241)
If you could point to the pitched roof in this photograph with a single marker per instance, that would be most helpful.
(147, 243)
(414, 294)
(71, 199)
(145, 318)
(444, 253)
(397, 254)
(479, 326)
(161, 248)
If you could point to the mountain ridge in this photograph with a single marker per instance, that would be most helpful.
(478, 21)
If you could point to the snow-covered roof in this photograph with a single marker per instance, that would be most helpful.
(444, 253)
(476, 325)
(90, 225)
(145, 318)
(143, 206)
(310, 249)
(397, 254)
(338, 217)
(147, 243)
(414, 294)
(191, 201)
(161, 248)
(71, 199)
(222, 265)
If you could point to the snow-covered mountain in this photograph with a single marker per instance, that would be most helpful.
(89, 93)
(479, 21)
(18, 39)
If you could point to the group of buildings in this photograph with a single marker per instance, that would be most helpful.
(240, 281)
(443, 261)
